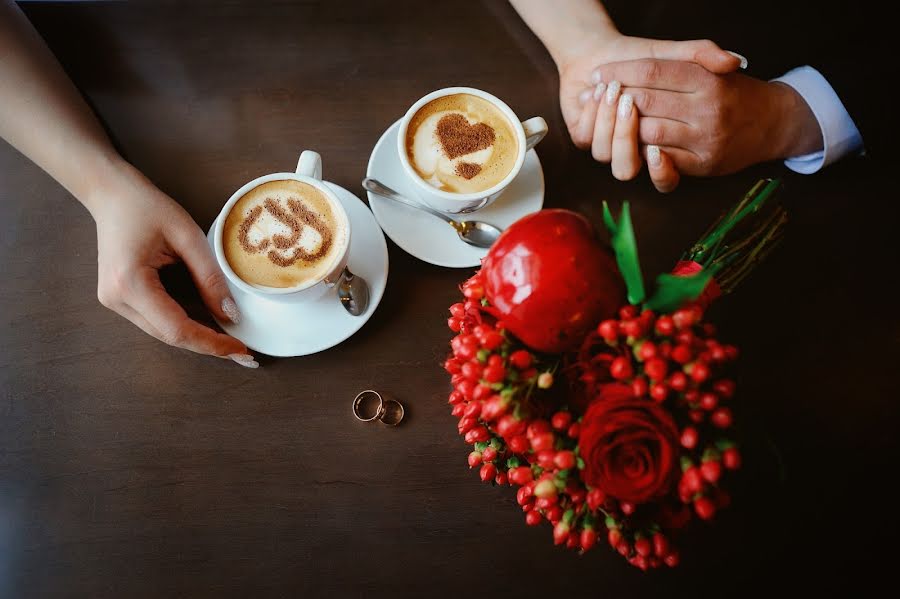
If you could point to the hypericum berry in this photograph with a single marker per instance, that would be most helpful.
(452, 365)
(537, 427)
(455, 324)
(711, 471)
(731, 458)
(466, 424)
(656, 369)
(458, 410)
(717, 354)
(473, 291)
(685, 337)
(533, 518)
(520, 359)
(473, 409)
(523, 495)
(481, 392)
(682, 354)
(564, 459)
(518, 444)
(639, 386)
(646, 351)
(722, 418)
(553, 514)
(629, 311)
(487, 472)
(732, 352)
(588, 538)
(614, 537)
(620, 368)
(560, 532)
(665, 326)
(660, 545)
(494, 407)
(467, 388)
(542, 442)
(705, 508)
(631, 328)
(545, 503)
(643, 547)
(685, 318)
(455, 397)
(689, 437)
(709, 401)
(494, 373)
(692, 480)
(477, 435)
(561, 421)
(471, 370)
(474, 459)
(678, 381)
(545, 380)
(699, 371)
(489, 454)
(609, 330)
(574, 430)
(672, 559)
(545, 459)
(509, 426)
(696, 416)
(627, 507)
(545, 489)
(501, 478)
(521, 476)
(595, 498)
(724, 387)
(492, 340)
(659, 392)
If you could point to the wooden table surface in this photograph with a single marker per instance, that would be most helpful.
(131, 469)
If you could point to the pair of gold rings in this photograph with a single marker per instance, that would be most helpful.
(369, 406)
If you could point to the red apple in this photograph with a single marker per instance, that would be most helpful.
(551, 280)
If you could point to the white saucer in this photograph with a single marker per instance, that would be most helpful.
(281, 329)
(426, 237)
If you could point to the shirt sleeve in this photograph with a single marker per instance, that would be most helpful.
(839, 133)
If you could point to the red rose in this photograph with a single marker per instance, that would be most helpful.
(629, 446)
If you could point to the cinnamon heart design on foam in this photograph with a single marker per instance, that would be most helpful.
(294, 219)
(459, 138)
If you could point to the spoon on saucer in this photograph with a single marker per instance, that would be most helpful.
(473, 232)
(353, 291)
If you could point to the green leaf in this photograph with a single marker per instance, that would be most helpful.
(672, 291)
(625, 247)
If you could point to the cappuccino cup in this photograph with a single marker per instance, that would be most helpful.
(461, 147)
(285, 236)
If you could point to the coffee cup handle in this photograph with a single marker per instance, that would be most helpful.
(310, 164)
(535, 130)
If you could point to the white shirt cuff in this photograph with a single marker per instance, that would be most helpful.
(839, 133)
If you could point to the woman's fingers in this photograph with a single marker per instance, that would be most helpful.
(169, 323)
(582, 132)
(665, 132)
(663, 173)
(604, 124)
(193, 249)
(626, 158)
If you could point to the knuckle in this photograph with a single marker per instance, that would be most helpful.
(650, 72)
(175, 336)
(111, 289)
(215, 280)
(653, 134)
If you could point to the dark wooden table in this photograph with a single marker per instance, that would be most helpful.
(130, 469)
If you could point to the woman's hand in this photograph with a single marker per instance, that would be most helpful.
(139, 230)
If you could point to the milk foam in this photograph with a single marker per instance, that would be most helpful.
(429, 157)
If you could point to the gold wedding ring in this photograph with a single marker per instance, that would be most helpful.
(369, 405)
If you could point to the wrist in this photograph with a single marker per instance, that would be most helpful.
(102, 177)
(796, 127)
(583, 44)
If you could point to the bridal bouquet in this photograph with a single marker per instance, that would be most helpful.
(611, 410)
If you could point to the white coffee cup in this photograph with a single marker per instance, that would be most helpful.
(529, 133)
(309, 171)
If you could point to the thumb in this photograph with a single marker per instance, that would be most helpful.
(208, 277)
(706, 53)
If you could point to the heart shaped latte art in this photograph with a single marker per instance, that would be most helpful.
(285, 249)
(459, 138)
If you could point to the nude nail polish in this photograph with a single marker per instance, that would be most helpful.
(244, 360)
(585, 96)
(598, 91)
(612, 92)
(743, 60)
(625, 104)
(596, 77)
(231, 310)
(654, 158)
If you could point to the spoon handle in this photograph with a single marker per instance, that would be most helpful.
(379, 188)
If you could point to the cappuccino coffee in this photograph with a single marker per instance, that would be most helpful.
(283, 234)
(461, 143)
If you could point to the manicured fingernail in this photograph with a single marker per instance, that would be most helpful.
(653, 157)
(598, 91)
(231, 310)
(596, 77)
(612, 92)
(584, 96)
(245, 360)
(739, 57)
(625, 104)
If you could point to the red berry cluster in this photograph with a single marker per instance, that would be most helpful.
(671, 359)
